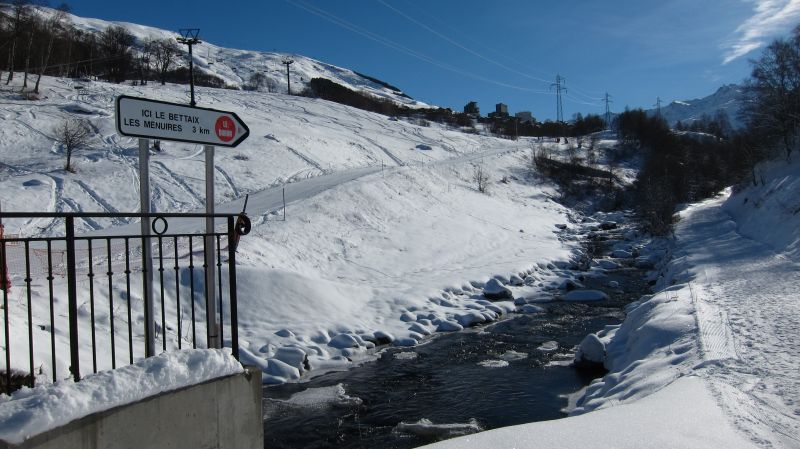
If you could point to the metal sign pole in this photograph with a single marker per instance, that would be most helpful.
(147, 256)
(211, 316)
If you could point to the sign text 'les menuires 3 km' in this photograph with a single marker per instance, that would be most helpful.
(153, 119)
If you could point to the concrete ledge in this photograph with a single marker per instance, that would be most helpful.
(223, 413)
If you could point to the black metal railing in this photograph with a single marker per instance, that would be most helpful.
(98, 297)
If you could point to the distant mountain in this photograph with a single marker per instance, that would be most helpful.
(235, 67)
(727, 98)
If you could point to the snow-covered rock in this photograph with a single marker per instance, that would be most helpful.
(342, 341)
(293, 356)
(607, 264)
(277, 371)
(621, 254)
(516, 281)
(449, 326)
(470, 319)
(495, 290)
(569, 285)
(591, 351)
(382, 337)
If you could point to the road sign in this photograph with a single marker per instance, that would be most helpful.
(152, 119)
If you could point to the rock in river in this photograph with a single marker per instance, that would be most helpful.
(494, 290)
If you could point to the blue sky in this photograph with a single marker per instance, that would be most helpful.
(448, 52)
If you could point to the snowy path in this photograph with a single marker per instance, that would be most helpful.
(748, 314)
(268, 200)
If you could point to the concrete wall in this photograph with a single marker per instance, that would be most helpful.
(224, 413)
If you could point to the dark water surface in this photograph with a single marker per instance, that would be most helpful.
(445, 381)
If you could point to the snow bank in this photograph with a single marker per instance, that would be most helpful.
(773, 205)
(683, 416)
(31, 411)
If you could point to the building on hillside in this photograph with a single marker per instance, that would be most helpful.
(500, 111)
(524, 116)
(472, 109)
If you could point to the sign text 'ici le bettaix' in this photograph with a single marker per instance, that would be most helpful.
(152, 119)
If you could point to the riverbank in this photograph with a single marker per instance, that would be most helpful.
(709, 360)
(514, 370)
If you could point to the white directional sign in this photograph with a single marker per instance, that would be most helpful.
(152, 119)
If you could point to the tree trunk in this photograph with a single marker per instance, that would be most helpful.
(69, 158)
(46, 59)
(27, 60)
(11, 60)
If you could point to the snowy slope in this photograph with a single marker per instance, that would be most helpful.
(292, 138)
(727, 98)
(386, 235)
(235, 66)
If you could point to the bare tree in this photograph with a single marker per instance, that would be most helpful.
(774, 93)
(116, 43)
(52, 27)
(257, 81)
(164, 53)
(72, 134)
(480, 177)
(20, 13)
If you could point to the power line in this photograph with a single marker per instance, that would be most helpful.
(476, 43)
(463, 47)
(401, 48)
(559, 106)
(579, 101)
(607, 100)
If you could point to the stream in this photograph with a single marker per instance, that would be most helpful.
(513, 371)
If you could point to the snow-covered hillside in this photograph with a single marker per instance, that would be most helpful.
(727, 98)
(402, 252)
(235, 66)
(291, 138)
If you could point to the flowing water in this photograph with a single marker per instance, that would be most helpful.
(510, 372)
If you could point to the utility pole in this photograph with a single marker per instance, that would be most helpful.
(189, 37)
(287, 62)
(559, 85)
(658, 107)
(607, 100)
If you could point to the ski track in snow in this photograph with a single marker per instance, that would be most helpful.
(228, 180)
(391, 155)
(305, 158)
(749, 320)
(175, 179)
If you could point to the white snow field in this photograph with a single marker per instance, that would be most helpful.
(710, 360)
(400, 253)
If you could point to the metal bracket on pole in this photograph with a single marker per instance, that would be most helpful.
(147, 256)
(212, 327)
